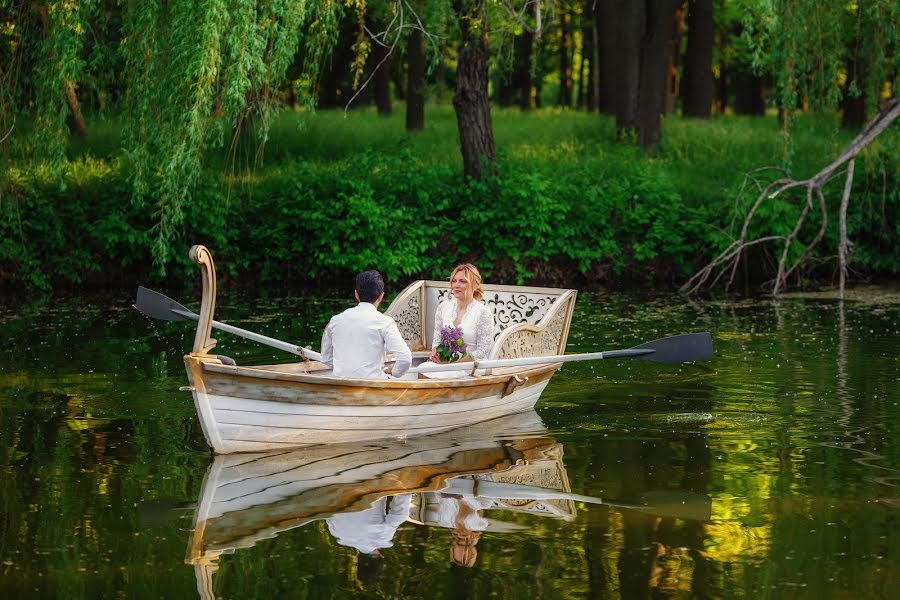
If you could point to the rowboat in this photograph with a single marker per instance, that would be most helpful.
(268, 407)
(271, 407)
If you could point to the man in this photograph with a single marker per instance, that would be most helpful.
(371, 529)
(355, 341)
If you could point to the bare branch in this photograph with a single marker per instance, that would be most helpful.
(843, 244)
(11, 127)
(729, 259)
(538, 28)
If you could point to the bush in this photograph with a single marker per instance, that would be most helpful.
(566, 205)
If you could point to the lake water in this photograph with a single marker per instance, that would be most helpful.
(771, 471)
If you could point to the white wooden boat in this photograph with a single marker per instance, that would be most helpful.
(258, 408)
(250, 497)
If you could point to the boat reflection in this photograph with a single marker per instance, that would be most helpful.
(365, 491)
(463, 480)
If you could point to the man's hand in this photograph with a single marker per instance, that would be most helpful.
(389, 369)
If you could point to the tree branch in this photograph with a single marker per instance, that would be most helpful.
(730, 257)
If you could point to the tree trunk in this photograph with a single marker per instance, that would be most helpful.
(593, 79)
(630, 21)
(748, 92)
(473, 111)
(652, 79)
(565, 63)
(583, 71)
(415, 83)
(697, 87)
(523, 47)
(75, 120)
(605, 12)
(673, 65)
(399, 79)
(853, 102)
(724, 71)
(381, 80)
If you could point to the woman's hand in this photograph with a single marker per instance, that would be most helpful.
(435, 358)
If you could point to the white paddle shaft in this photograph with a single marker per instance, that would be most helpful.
(256, 337)
(524, 362)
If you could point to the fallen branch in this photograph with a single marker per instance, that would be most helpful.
(729, 259)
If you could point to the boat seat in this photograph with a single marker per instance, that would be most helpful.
(528, 321)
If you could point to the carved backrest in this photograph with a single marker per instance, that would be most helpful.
(543, 468)
(545, 314)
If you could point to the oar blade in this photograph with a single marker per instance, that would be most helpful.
(679, 348)
(157, 306)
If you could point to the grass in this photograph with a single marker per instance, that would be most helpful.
(699, 155)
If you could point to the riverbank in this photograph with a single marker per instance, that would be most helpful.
(339, 192)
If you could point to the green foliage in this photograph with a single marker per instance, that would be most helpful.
(346, 192)
(59, 65)
(806, 48)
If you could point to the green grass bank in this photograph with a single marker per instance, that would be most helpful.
(332, 193)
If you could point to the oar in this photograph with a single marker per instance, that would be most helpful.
(156, 305)
(686, 347)
(676, 504)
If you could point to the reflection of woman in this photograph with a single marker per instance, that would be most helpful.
(463, 551)
(461, 514)
(464, 309)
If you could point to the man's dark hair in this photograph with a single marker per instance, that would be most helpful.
(369, 285)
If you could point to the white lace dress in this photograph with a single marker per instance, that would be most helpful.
(478, 332)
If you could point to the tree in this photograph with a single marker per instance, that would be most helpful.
(415, 82)
(607, 73)
(642, 43)
(566, 45)
(673, 59)
(473, 110)
(697, 84)
(381, 79)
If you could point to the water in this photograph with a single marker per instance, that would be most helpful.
(771, 471)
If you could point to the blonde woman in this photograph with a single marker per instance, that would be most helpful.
(464, 309)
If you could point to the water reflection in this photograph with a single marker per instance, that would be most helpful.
(469, 481)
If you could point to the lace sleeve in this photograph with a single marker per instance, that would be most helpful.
(438, 323)
(484, 334)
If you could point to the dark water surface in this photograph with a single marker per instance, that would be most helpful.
(772, 471)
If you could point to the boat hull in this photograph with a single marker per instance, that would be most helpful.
(246, 409)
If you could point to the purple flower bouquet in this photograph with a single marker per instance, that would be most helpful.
(451, 347)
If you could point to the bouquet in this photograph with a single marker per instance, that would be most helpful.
(451, 347)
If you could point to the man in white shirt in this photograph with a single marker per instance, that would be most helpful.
(371, 529)
(355, 341)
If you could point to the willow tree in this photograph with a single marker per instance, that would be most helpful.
(804, 47)
(186, 76)
(41, 64)
(197, 74)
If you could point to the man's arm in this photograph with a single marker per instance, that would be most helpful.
(327, 347)
(394, 343)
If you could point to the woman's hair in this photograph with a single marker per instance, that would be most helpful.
(474, 277)
(463, 551)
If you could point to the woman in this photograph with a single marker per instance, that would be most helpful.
(464, 309)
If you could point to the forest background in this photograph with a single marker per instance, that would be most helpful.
(593, 142)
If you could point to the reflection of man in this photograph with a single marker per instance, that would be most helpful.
(373, 528)
(355, 341)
